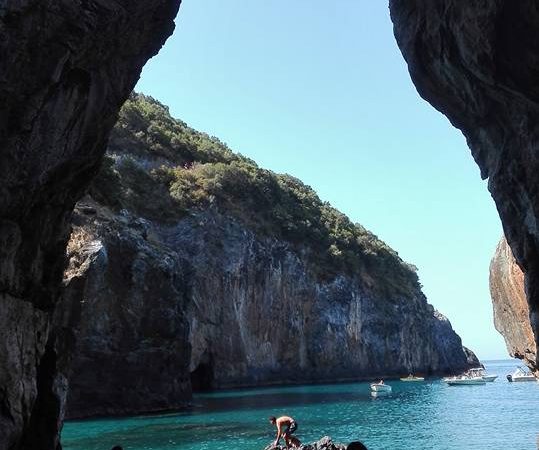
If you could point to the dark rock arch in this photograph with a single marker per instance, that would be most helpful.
(65, 69)
(476, 62)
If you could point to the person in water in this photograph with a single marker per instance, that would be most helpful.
(285, 427)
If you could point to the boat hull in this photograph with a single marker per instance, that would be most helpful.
(489, 378)
(521, 374)
(414, 379)
(464, 381)
(516, 379)
(380, 394)
(380, 388)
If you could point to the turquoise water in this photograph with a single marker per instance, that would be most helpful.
(416, 416)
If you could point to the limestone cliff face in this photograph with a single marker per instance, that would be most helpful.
(476, 62)
(180, 279)
(66, 68)
(125, 303)
(256, 315)
(511, 313)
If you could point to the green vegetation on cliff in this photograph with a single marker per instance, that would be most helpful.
(159, 168)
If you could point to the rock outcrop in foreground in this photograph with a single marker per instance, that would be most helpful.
(324, 443)
(244, 278)
(476, 62)
(511, 313)
(66, 68)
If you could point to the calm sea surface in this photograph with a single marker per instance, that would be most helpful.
(416, 416)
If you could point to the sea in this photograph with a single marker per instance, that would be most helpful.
(427, 415)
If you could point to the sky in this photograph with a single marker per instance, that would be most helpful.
(320, 90)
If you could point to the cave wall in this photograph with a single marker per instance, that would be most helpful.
(65, 69)
(476, 62)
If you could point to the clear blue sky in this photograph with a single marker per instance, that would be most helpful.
(320, 90)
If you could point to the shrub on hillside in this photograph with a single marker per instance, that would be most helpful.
(163, 169)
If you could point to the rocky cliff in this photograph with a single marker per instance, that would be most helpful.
(66, 68)
(202, 287)
(511, 313)
(125, 305)
(476, 62)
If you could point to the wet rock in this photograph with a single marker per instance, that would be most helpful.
(324, 443)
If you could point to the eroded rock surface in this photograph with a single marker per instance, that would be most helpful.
(477, 62)
(125, 304)
(511, 313)
(256, 315)
(66, 68)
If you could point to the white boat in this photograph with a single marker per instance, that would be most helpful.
(489, 378)
(480, 372)
(464, 380)
(412, 378)
(380, 394)
(380, 387)
(521, 374)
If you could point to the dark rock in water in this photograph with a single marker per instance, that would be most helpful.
(476, 62)
(471, 359)
(203, 299)
(66, 68)
(324, 443)
(511, 313)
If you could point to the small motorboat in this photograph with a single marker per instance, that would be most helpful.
(521, 374)
(380, 387)
(380, 394)
(464, 380)
(412, 378)
(489, 378)
(480, 372)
